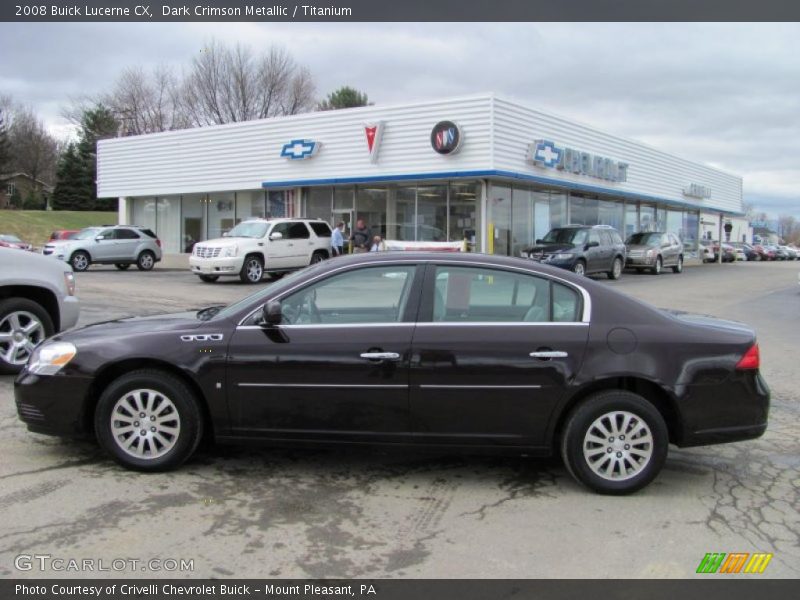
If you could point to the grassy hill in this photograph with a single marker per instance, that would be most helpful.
(35, 226)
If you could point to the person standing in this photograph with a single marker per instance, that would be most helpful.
(378, 245)
(361, 238)
(337, 240)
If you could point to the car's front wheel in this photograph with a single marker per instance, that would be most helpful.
(679, 267)
(148, 420)
(80, 261)
(252, 270)
(145, 261)
(23, 326)
(614, 442)
(658, 266)
(579, 268)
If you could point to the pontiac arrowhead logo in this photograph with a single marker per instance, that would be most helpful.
(373, 133)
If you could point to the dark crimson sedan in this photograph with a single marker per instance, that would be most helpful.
(460, 352)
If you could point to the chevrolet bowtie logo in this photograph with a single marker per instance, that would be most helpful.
(546, 154)
(299, 149)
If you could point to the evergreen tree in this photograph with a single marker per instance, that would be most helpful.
(344, 97)
(71, 191)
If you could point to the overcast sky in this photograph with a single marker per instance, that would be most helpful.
(723, 94)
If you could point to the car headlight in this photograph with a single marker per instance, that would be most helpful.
(650, 253)
(563, 256)
(231, 250)
(50, 358)
(69, 281)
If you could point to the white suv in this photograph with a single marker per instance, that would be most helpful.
(257, 246)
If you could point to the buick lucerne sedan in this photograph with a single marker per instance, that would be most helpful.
(459, 352)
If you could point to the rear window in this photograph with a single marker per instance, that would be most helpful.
(148, 233)
(127, 234)
(321, 228)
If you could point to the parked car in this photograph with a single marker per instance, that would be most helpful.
(748, 252)
(791, 254)
(728, 252)
(37, 299)
(8, 240)
(654, 251)
(259, 246)
(583, 249)
(118, 245)
(64, 234)
(778, 252)
(706, 250)
(436, 350)
(763, 253)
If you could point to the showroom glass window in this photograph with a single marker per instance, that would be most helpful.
(486, 295)
(500, 219)
(168, 223)
(464, 214)
(432, 213)
(368, 295)
(521, 220)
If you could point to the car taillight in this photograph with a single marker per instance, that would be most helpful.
(158, 241)
(750, 360)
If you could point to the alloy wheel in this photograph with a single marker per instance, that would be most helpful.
(579, 268)
(618, 445)
(20, 333)
(80, 262)
(146, 261)
(145, 424)
(254, 270)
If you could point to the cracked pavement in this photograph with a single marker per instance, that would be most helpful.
(261, 512)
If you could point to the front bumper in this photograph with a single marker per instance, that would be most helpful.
(53, 404)
(70, 311)
(216, 266)
(639, 261)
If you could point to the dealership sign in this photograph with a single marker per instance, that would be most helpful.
(544, 153)
(300, 149)
(695, 190)
(446, 137)
(373, 132)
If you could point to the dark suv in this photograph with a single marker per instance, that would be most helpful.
(582, 249)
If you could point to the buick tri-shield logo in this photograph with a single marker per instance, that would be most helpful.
(446, 137)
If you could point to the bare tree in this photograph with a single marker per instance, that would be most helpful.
(228, 85)
(33, 150)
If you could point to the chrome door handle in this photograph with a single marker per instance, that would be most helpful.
(549, 354)
(380, 355)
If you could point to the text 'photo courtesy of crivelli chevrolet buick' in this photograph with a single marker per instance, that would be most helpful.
(457, 352)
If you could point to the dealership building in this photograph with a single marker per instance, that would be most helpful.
(482, 169)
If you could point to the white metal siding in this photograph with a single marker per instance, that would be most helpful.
(650, 172)
(242, 156)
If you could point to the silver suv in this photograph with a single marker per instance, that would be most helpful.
(118, 245)
(37, 300)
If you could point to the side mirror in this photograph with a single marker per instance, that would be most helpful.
(271, 314)
(224, 234)
(99, 238)
(276, 236)
(592, 245)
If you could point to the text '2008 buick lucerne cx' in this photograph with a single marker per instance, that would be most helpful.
(461, 352)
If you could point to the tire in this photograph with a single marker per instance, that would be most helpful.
(145, 261)
(252, 269)
(208, 278)
(616, 269)
(658, 267)
(80, 261)
(123, 266)
(679, 267)
(317, 257)
(579, 268)
(167, 403)
(596, 414)
(24, 324)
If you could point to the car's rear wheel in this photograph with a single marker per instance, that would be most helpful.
(252, 269)
(579, 268)
(614, 442)
(80, 261)
(616, 269)
(318, 256)
(679, 267)
(24, 324)
(148, 420)
(146, 260)
(208, 278)
(656, 270)
(123, 266)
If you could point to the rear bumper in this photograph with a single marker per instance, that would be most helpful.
(54, 405)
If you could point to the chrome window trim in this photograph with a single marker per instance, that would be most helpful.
(587, 299)
(480, 387)
(323, 385)
(501, 323)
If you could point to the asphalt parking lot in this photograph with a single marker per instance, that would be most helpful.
(260, 512)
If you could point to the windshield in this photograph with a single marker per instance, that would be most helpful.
(87, 233)
(274, 288)
(249, 229)
(10, 238)
(565, 236)
(644, 239)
